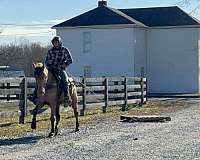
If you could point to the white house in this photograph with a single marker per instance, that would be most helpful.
(164, 41)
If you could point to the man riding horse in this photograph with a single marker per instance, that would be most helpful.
(57, 60)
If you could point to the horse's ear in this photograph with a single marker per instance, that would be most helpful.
(33, 65)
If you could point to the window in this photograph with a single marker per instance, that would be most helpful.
(87, 71)
(87, 42)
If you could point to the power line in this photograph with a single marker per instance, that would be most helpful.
(26, 25)
(188, 3)
(194, 11)
(33, 33)
(183, 3)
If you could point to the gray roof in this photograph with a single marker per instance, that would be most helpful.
(97, 16)
(161, 16)
(151, 17)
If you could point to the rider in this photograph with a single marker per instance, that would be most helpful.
(57, 60)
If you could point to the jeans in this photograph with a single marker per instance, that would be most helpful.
(61, 79)
(64, 82)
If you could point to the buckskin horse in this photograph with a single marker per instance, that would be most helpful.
(47, 93)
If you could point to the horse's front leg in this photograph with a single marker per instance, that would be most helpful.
(33, 123)
(35, 110)
(39, 104)
(57, 118)
(52, 119)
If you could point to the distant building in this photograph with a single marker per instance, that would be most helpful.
(7, 71)
(163, 42)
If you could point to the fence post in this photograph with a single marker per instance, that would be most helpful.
(3, 87)
(142, 91)
(125, 95)
(82, 111)
(8, 87)
(105, 95)
(23, 101)
(146, 89)
(142, 71)
(144, 83)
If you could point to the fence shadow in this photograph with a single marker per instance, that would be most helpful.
(21, 140)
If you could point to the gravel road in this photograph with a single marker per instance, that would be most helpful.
(113, 139)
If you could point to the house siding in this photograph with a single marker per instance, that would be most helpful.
(140, 57)
(170, 57)
(198, 41)
(173, 61)
(112, 51)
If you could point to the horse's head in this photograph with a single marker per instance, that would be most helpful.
(41, 76)
(40, 70)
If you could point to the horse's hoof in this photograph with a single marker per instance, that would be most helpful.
(77, 129)
(56, 132)
(51, 134)
(33, 125)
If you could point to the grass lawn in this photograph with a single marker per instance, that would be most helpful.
(9, 125)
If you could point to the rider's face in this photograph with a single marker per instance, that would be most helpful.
(56, 44)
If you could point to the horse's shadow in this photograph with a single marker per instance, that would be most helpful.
(21, 140)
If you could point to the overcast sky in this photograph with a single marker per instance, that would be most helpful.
(31, 20)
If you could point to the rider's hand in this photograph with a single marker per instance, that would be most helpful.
(64, 65)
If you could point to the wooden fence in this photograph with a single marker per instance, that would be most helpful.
(99, 91)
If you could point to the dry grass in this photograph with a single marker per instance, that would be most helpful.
(10, 126)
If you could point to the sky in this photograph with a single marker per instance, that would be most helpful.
(23, 21)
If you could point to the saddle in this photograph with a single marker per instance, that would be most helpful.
(54, 80)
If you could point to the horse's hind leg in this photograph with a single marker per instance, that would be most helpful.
(75, 107)
(74, 98)
(77, 122)
(57, 118)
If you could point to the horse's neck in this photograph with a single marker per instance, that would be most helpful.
(51, 79)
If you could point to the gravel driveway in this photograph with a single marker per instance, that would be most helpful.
(112, 139)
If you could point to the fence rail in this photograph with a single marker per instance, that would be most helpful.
(98, 91)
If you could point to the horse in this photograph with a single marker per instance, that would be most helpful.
(47, 93)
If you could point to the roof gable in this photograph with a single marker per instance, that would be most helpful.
(98, 16)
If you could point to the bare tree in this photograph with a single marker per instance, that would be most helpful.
(22, 56)
(194, 10)
(183, 3)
